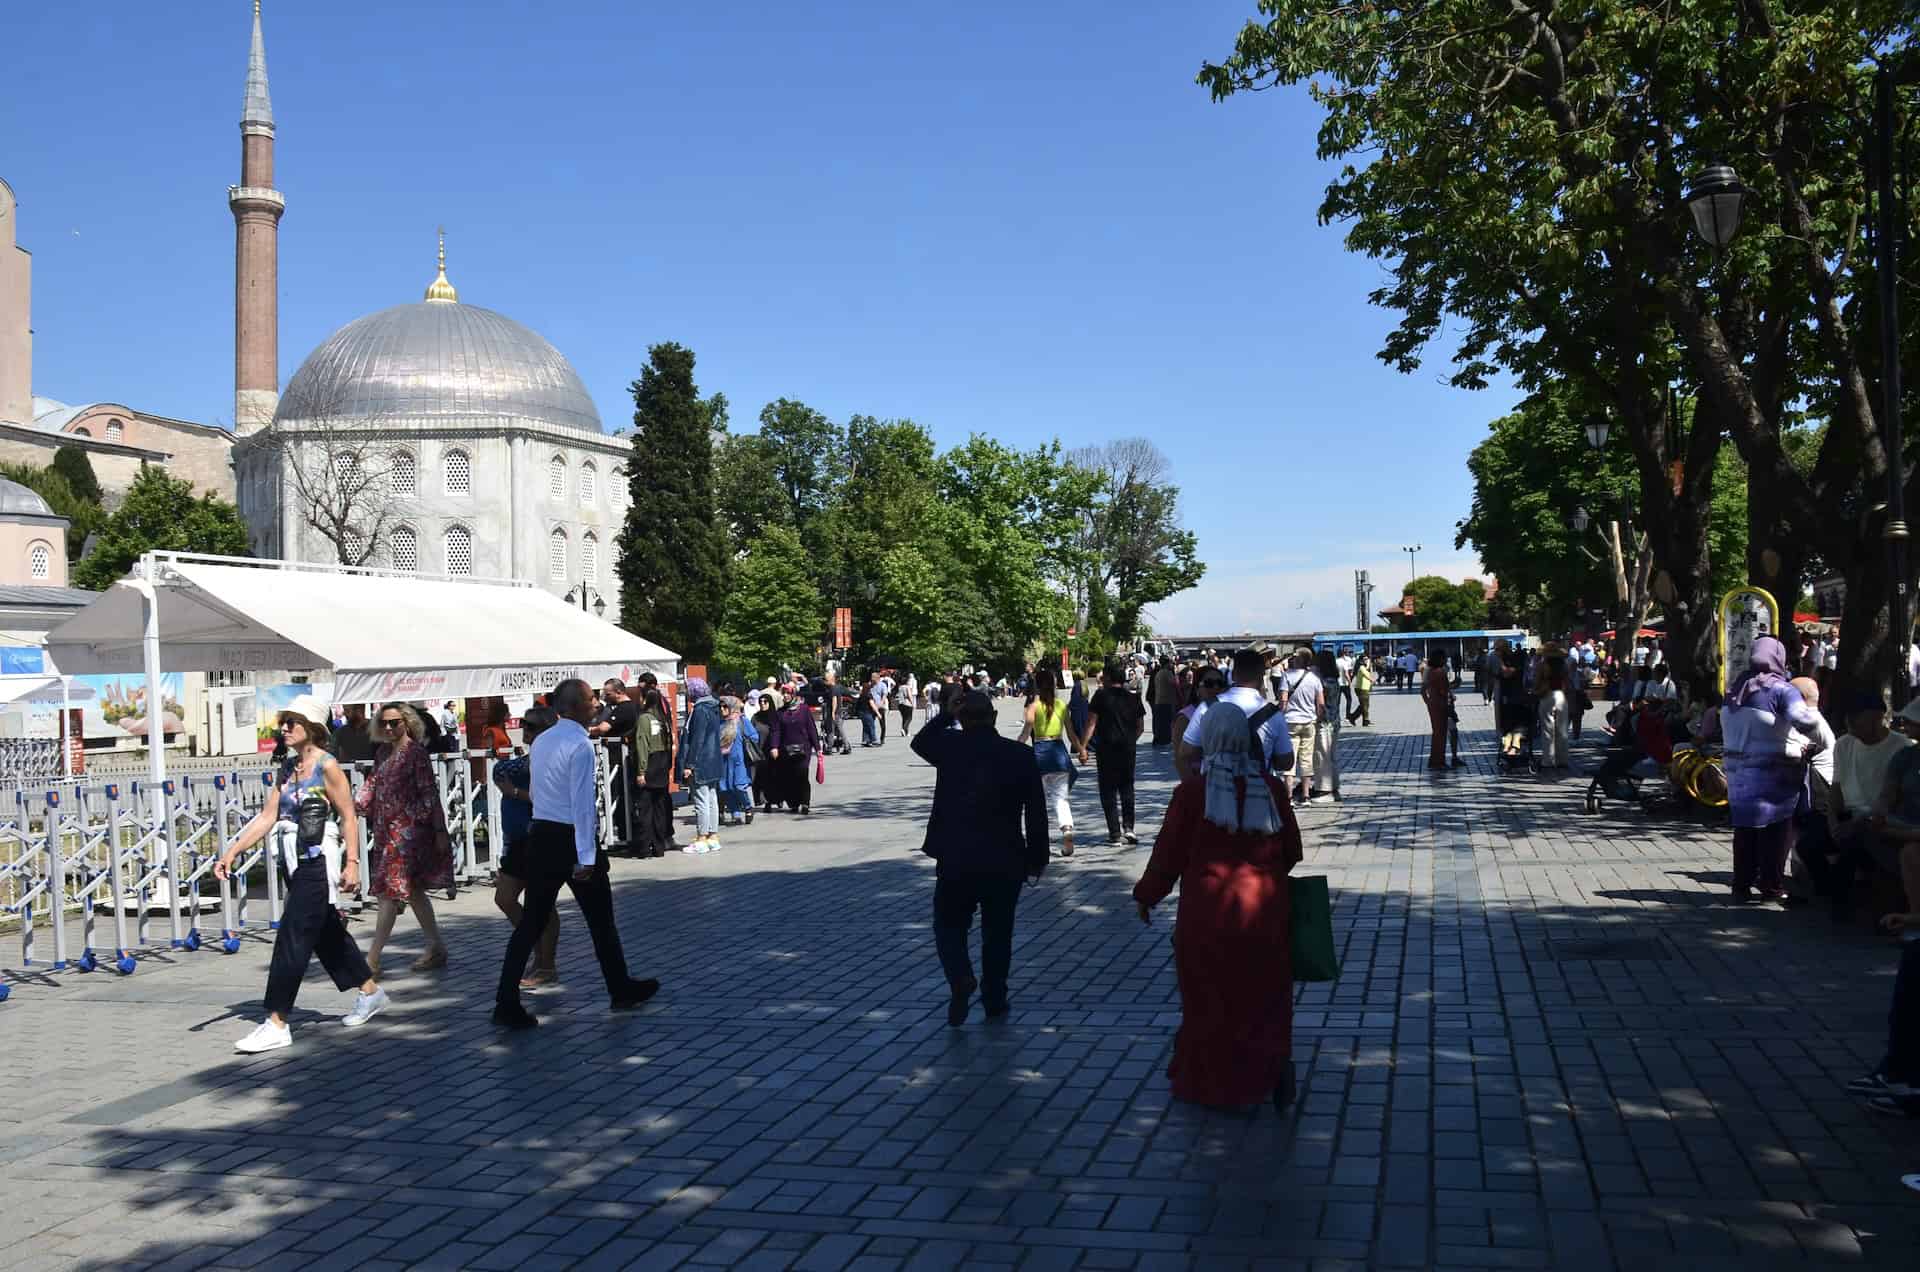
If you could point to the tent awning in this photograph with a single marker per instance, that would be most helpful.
(41, 690)
(378, 635)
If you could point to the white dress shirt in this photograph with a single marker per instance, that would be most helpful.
(1274, 732)
(563, 785)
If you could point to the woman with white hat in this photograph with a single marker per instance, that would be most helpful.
(316, 835)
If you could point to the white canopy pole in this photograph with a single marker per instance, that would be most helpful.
(66, 747)
(156, 738)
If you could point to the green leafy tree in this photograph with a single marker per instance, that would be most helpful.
(1523, 175)
(72, 463)
(1441, 605)
(672, 550)
(1139, 553)
(1000, 516)
(160, 514)
(911, 615)
(748, 491)
(774, 611)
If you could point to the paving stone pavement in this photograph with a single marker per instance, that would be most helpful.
(1479, 1089)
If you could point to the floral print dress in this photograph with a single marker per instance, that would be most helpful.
(410, 845)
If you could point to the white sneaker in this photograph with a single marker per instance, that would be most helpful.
(713, 845)
(266, 1036)
(365, 1008)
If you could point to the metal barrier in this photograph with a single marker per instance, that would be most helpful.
(72, 847)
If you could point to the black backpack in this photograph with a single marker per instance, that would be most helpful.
(1254, 742)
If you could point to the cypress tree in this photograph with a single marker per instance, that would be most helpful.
(72, 463)
(673, 551)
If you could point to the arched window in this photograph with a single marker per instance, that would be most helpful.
(405, 548)
(590, 558)
(556, 478)
(459, 473)
(459, 550)
(405, 475)
(83, 432)
(589, 483)
(40, 561)
(557, 553)
(115, 430)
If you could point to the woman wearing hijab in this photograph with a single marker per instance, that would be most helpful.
(1229, 840)
(763, 771)
(1766, 769)
(791, 745)
(702, 764)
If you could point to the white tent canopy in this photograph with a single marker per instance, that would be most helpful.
(376, 634)
(41, 690)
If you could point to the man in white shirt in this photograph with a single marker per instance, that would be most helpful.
(1861, 761)
(1249, 666)
(882, 699)
(563, 848)
(1303, 704)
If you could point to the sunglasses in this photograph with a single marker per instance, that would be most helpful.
(392, 722)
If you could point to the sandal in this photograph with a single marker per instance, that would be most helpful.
(432, 961)
(540, 978)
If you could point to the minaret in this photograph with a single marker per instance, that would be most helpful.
(256, 254)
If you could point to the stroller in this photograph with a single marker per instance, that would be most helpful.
(1521, 718)
(1642, 748)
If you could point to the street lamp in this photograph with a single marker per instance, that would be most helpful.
(1597, 430)
(1581, 520)
(583, 593)
(1412, 552)
(1714, 197)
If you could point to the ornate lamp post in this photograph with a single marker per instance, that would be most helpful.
(583, 594)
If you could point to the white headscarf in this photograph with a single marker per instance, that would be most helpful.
(1237, 795)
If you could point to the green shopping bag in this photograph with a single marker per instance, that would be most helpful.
(1314, 956)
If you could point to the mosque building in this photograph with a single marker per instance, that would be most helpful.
(437, 436)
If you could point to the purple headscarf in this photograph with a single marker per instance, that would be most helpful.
(696, 689)
(1766, 670)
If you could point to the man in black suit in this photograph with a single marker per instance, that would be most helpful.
(985, 787)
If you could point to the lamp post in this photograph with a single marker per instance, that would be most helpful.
(1715, 196)
(1412, 552)
(585, 593)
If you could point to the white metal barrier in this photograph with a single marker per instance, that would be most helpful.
(70, 848)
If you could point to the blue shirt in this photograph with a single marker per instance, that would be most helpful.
(516, 815)
(563, 785)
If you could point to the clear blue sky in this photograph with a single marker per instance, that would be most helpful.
(1018, 219)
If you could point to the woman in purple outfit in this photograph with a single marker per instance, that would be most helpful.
(1766, 772)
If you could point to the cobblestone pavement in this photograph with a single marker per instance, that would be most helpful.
(1553, 1045)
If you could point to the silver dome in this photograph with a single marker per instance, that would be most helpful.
(17, 501)
(438, 362)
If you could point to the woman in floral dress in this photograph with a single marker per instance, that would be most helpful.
(411, 851)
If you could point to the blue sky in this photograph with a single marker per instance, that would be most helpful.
(1017, 219)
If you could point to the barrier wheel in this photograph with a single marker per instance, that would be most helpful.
(86, 962)
(231, 945)
(124, 964)
(193, 939)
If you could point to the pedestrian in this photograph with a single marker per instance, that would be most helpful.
(1362, 710)
(449, 719)
(514, 777)
(986, 833)
(1893, 1086)
(614, 728)
(736, 777)
(563, 850)
(882, 703)
(792, 744)
(763, 771)
(1554, 708)
(1162, 696)
(1326, 738)
(1303, 705)
(653, 767)
(1579, 680)
(1046, 725)
(1765, 773)
(1438, 696)
(1229, 841)
(315, 834)
(1206, 685)
(1115, 721)
(863, 707)
(702, 764)
(904, 697)
(409, 849)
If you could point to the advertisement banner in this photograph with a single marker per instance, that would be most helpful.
(118, 708)
(1746, 614)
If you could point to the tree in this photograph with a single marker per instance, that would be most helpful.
(774, 612)
(749, 496)
(84, 516)
(72, 463)
(672, 550)
(341, 479)
(1441, 605)
(1524, 172)
(160, 514)
(1138, 551)
(911, 616)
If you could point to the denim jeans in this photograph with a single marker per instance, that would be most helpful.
(706, 807)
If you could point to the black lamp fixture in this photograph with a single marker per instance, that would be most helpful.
(583, 594)
(1581, 520)
(1598, 429)
(1714, 197)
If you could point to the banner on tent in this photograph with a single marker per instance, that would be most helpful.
(481, 682)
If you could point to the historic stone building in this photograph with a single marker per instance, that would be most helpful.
(434, 436)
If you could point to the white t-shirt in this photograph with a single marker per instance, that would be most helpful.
(1860, 770)
(1273, 732)
(1304, 694)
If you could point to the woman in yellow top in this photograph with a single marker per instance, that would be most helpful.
(1046, 725)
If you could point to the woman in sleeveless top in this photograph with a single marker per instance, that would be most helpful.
(1046, 725)
(310, 921)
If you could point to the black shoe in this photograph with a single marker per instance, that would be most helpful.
(1130, 837)
(1288, 1091)
(1114, 841)
(997, 1011)
(635, 993)
(514, 1017)
(957, 1005)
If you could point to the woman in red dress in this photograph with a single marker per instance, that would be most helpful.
(1228, 840)
(410, 849)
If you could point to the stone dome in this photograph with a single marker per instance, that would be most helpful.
(18, 501)
(438, 362)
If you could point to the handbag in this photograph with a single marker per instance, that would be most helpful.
(1314, 955)
(750, 746)
(819, 768)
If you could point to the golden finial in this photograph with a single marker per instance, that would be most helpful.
(440, 288)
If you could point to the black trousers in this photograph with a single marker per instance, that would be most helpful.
(1114, 764)
(550, 866)
(955, 897)
(309, 925)
(906, 719)
(1902, 1061)
(1162, 723)
(653, 818)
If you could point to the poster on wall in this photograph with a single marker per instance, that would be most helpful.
(118, 708)
(1746, 614)
(271, 701)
